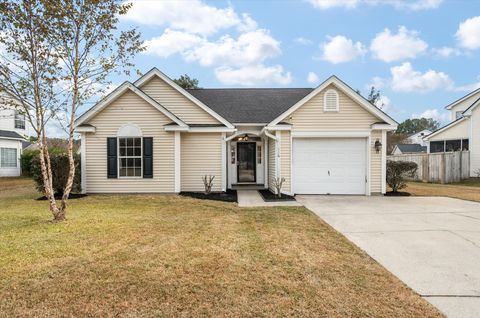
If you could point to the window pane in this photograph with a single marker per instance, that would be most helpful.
(138, 172)
(138, 142)
(130, 172)
(138, 151)
(123, 151)
(123, 172)
(122, 142)
(8, 157)
(138, 162)
(129, 151)
(129, 142)
(436, 146)
(465, 144)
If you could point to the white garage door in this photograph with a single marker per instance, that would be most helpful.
(329, 166)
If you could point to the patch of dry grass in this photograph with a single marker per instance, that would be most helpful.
(454, 190)
(170, 256)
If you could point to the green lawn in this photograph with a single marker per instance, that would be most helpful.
(170, 256)
(466, 190)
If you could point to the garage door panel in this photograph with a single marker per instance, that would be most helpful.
(329, 166)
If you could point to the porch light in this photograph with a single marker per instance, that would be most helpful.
(378, 146)
(244, 138)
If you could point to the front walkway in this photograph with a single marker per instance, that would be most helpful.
(251, 198)
(430, 243)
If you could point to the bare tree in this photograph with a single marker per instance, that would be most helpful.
(278, 184)
(54, 59)
(208, 183)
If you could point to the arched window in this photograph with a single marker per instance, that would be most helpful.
(130, 151)
(330, 101)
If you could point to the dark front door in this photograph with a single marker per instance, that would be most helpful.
(246, 164)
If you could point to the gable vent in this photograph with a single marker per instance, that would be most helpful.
(330, 103)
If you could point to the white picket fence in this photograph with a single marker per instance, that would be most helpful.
(440, 167)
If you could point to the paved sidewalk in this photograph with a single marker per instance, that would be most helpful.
(251, 198)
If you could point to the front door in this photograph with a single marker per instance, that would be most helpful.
(246, 163)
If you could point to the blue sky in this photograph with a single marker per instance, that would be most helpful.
(421, 54)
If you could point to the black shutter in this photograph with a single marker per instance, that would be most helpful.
(147, 157)
(112, 157)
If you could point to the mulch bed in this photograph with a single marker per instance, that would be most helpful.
(397, 194)
(59, 196)
(229, 196)
(268, 196)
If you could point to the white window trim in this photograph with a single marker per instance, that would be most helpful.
(16, 158)
(134, 157)
(337, 106)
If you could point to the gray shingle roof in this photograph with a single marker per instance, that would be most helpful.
(10, 134)
(411, 148)
(250, 105)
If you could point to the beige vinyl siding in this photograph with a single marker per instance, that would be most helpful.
(351, 116)
(201, 154)
(129, 108)
(375, 163)
(463, 105)
(458, 131)
(176, 103)
(271, 164)
(285, 160)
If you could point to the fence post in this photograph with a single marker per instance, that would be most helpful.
(461, 165)
(442, 169)
(425, 168)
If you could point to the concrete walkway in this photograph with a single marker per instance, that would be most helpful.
(251, 198)
(430, 243)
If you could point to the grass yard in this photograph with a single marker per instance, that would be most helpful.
(170, 256)
(467, 189)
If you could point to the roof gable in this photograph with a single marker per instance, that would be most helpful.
(117, 93)
(157, 73)
(463, 99)
(333, 80)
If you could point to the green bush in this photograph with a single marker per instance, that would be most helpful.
(29, 154)
(59, 163)
(26, 161)
(397, 171)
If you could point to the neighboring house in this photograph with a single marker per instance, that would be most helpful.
(154, 136)
(12, 131)
(403, 149)
(463, 133)
(418, 137)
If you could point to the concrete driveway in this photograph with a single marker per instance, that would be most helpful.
(430, 243)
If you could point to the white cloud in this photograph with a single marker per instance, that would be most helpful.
(468, 33)
(250, 48)
(340, 49)
(303, 41)
(312, 78)
(446, 52)
(191, 16)
(468, 87)
(171, 42)
(253, 75)
(377, 82)
(406, 79)
(328, 4)
(414, 5)
(434, 114)
(384, 103)
(390, 47)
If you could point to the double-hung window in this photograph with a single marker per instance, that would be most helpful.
(130, 156)
(19, 120)
(8, 157)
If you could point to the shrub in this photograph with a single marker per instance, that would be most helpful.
(60, 169)
(29, 154)
(397, 171)
(26, 161)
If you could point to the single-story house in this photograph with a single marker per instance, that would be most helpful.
(154, 136)
(417, 138)
(463, 133)
(403, 149)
